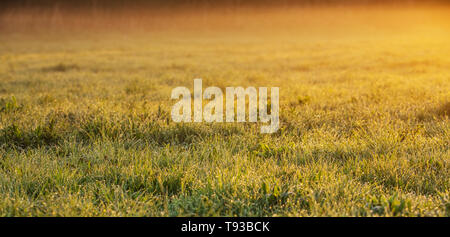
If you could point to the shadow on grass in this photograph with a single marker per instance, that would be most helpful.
(15, 137)
(89, 128)
(441, 111)
(61, 67)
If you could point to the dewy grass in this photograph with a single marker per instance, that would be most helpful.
(86, 128)
(213, 111)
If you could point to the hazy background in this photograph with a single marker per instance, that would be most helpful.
(172, 3)
(205, 15)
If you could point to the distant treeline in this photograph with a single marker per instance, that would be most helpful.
(173, 3)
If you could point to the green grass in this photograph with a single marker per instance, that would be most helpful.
(85, 127)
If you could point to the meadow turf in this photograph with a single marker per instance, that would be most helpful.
(85, 127)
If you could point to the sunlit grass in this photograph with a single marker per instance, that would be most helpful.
(85, 126)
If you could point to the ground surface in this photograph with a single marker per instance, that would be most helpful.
(85, 126)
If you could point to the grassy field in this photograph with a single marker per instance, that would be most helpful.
(85, 127)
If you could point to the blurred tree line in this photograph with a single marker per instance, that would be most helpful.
(192, 3)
